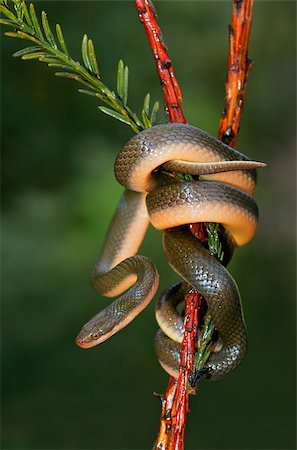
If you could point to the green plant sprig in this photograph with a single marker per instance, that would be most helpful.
(204, 343)
(214, 244)
(205, 336)
(53, 51)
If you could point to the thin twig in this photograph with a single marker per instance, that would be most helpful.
(239, 66)
(171, 90)
(166, 421)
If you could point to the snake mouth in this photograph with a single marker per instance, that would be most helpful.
(87, 340)
(83, 342)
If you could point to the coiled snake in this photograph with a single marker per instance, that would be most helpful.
(221, 194)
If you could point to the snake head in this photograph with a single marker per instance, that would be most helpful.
(93, 332)
(88, 338)
(97, 330)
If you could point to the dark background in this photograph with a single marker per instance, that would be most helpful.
(59, 194)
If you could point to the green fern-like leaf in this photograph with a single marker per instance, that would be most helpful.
(52, 50)
(47, 30)
(154, 112)
(61, 39)
(27, 15)
(27, 50)
(122, 82)
(35, 22)
(93, 58)
(146, 104)
(114, 114)
(85, 53)
(145, 119)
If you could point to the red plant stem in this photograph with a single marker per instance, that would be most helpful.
(171, 90)
(181, 400)
(175, 401)
(175, 407)
(166, 422)
(239, 66)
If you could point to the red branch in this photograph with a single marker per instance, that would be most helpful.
(181, 401)
(175, 401)
(171, 90)
(166, 422)
(239, 66)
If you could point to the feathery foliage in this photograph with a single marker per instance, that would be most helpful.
(52, 49)
(204, 343)
(205, 336)
(214, 244)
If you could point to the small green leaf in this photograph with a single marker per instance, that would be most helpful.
(204, 343)
(72, 76)
(66, 75)
(35, 22)
(32, 56)
(58, 65)
(27, 50)
(26, 14)
(84, 51)
(137, 121)
(214, 243)
(114, 114)
(18, 8)
(11, 34)
(9, 23)
(145, 119)
(47, 30)
(92, 58)
(154, 112)
(22, 35)
(125, 85)
(146, 104)
(61, 39)
(93, 94)
(49, 59)
(135, 128)
(211, 242)
(85, 91)
(4, 10)
(120, 79)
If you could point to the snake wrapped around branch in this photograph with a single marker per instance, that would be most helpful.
(225, 181)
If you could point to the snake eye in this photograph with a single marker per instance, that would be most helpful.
(95, 335)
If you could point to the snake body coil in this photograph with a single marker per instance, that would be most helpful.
(221, 194)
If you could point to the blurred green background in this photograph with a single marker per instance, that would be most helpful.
(58, 196)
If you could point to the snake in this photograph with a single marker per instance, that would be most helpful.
(220, 190)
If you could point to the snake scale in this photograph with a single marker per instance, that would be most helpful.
(225, 181)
